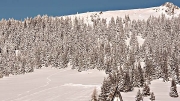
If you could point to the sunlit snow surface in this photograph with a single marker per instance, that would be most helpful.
(51, 85)
(161, 91)
(134, 14)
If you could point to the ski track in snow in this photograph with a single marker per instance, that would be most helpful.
(19, 99)
(51, 90)
(35, 93)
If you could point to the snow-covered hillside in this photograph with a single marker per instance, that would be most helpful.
(55, 43)
(169, 9)
(49, 84)
(161, 91)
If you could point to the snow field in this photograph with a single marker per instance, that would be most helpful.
(161, 91)
(49, 84)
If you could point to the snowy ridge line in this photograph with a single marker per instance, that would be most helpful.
(134, 14)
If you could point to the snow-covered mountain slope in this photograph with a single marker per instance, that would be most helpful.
(48, 84)
(169, 9)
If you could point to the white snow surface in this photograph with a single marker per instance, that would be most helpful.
(49, 84)
(161, 91)
(116, 99)
(134, 14)
(140, 40)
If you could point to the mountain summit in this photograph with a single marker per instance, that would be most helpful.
(170, 5)
(170, 8)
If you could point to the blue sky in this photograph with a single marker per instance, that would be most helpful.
(20, 9)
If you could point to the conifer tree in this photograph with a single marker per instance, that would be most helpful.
(173, 89)
(94, 95)
(139, 96)
(127, 84)
(141, 77)
(105, 91)
(146, 90)
(117, 94)
(152, 97)
(175, 69)
(136, 78)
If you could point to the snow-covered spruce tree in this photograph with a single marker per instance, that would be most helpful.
(146, 90)
(119, 95)
(57, 59)
(116, 94)
(105, 91)
(126, 85)
(81, 63)
(23, 64)
(148, 80)
(112, 92)
(157, 64)
(139, 96)
(120, 41)
(31, 66)
(149, 69)
(75, 61)
(140, 76)
(135, 78)
(64, 59)
(94, 96)
(1, 72)
(101, 59)
(164, 67)
(131, 59)
(112, 31)
(113, 78)
(38, 61)
(173, 89)
(120, 79)
(129, 83)
(16, 66)
(152, 96)
(108, 68)
(134, 45)
(175, 69)
(6, 65)
(127, 22)
(46, 63)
